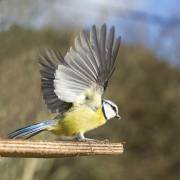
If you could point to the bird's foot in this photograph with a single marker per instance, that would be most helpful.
(95, 140)
(86, 139)
(81, 138)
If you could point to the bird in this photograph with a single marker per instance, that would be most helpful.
(73, 86)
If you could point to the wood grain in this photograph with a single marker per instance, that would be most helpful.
(44, 149)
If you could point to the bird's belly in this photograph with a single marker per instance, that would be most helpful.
(80, 120)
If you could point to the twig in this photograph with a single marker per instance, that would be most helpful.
(40, 149)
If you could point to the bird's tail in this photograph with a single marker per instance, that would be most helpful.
(31, 130)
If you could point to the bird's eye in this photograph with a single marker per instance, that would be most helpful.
(87, 98)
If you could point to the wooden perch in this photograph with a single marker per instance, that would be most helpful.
(40, 149)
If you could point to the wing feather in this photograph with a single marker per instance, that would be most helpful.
(103, 46)
(89, 63)
(48, 63)
(110, 41)
(82, 53)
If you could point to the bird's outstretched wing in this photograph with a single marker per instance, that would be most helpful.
(49, 62)
(89, 63)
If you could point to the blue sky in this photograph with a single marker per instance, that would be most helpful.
(162, 39)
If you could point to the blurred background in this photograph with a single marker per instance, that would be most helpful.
(145, 85)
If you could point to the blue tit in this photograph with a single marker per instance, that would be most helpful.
(73, 86)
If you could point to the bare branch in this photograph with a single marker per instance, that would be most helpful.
(42, 149)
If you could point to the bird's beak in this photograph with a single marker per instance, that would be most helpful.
(118, 116)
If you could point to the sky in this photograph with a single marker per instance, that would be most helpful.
(136, 20)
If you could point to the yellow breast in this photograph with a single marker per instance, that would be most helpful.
(79, 120)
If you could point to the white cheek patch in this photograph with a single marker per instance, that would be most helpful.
(109, 112)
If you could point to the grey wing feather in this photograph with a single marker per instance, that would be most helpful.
(49, 62)
(90, 62)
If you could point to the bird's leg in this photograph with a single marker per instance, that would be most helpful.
(80, 137)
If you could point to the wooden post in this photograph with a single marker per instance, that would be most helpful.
(43, 149)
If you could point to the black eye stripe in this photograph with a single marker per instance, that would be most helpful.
(114, 108)
(112, 105)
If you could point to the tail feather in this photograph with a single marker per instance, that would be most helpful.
(31, 130)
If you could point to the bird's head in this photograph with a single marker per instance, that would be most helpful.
(110, 110)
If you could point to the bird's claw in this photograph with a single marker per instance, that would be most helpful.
(86, 140)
